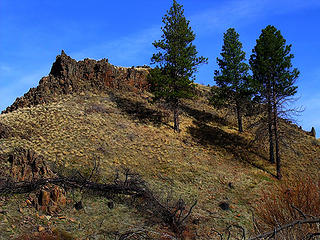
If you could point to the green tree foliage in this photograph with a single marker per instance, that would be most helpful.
(274, 81)
(232, 79)
(176, 60)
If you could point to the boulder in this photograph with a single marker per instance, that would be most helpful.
(51, 199)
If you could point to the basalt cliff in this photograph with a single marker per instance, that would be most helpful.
(70, 76)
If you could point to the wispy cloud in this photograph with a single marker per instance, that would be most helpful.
(244, 11)
(5, 69)
(128, 50)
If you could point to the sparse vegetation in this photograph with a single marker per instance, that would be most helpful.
(199, 163)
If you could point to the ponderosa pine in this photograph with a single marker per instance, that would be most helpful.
(176, 61)
(232, 79)
(274, 79)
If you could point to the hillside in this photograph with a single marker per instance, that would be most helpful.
(82, 112)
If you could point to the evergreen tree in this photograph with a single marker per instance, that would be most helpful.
(232, 78)
(274, 79)
(177, 61)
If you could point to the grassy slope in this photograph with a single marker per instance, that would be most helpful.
(198, 163)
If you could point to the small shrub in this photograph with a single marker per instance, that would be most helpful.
(290, 201)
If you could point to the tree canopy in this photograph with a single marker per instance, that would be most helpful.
(232, 78)
(176, 60)
(274, 79)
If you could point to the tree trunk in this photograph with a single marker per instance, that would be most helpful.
(271, 149)
(278, 159)
(176, 126)
(276, 137)
(239, 116)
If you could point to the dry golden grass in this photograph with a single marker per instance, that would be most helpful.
(126, 130)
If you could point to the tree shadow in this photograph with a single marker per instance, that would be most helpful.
(237, 145)
(203, 116)
(139, 110)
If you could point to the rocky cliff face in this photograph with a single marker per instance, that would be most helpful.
(70, 76)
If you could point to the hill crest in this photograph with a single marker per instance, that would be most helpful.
(70, 76)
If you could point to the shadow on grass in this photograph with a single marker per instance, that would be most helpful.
(203, 116)
(232, 143)
(139, 110)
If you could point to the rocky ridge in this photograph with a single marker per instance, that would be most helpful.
(69, 76)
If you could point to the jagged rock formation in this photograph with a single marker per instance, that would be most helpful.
(313, 132)
(50, 199)
(26, 165)
(70, 76)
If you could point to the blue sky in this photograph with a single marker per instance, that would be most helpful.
(33, 32)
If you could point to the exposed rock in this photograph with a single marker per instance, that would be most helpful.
(26, 165)
(50, 199)
(78, 205)
(70, 76)
(313, 132)
(44, 198)
(224, 206)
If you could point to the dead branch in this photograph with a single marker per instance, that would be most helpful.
(302, 213)
(310, 236)
(132, 185)
(25, 187)
(137, 234)
(286, 226)
(243, 232)
(220, 234)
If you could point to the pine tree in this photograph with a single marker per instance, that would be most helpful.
(232, 78)
(274, 79)
(177, 61)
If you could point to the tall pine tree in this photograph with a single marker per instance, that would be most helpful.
(176, 60)
(232, 78)
(274, 78)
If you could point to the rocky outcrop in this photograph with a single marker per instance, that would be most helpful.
(313, 132)
(70, 76)
(26, 165)
(50, 199)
